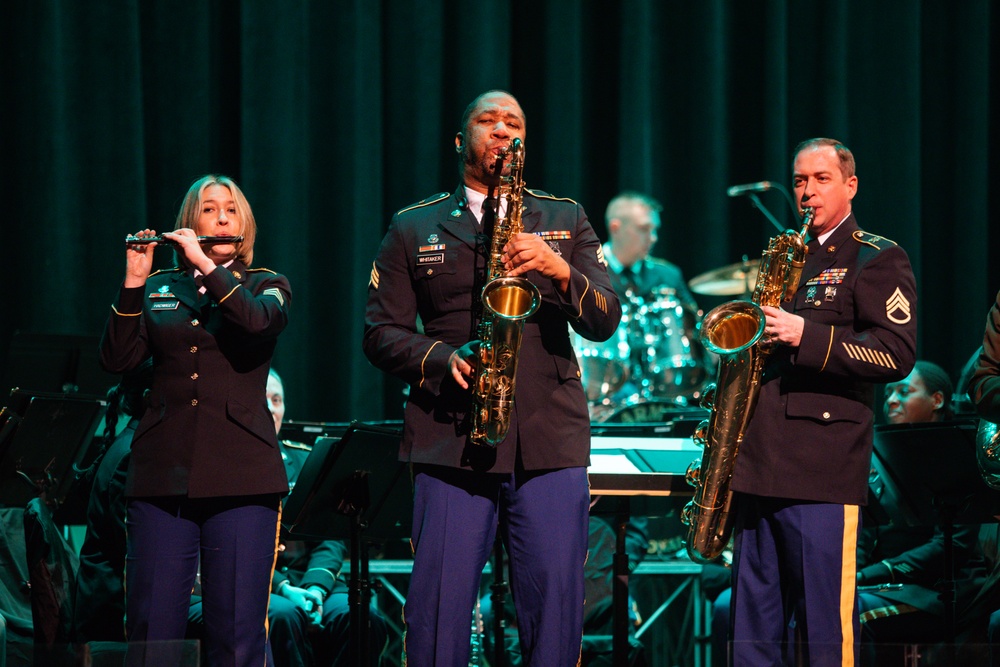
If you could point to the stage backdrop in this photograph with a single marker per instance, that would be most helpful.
(333, 115)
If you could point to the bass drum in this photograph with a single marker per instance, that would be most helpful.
(676, 365)
(605, 367)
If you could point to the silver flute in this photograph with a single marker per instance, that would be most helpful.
(132, 239)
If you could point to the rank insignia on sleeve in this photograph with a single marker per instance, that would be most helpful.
(868, 355)
(373, 278)
(600, 256)
(897, 308)
(601, 301)
(276, 293)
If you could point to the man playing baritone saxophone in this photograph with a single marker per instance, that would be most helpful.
(533, 484)
(802, 469)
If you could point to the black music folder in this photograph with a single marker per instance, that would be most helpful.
(929, 475)
(352, 477)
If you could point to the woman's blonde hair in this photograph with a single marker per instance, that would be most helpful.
(191, 206)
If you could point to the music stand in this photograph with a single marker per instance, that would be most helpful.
(50, 438)
(931, 479)
(353, 488)
(63, 363)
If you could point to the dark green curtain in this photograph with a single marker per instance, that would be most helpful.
(332, 115)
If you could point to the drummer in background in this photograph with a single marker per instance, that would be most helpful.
(633, 220)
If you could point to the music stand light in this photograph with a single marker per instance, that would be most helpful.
(353, 488)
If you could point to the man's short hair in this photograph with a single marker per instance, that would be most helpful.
(844, 153)
(467, 114)
(618, 208)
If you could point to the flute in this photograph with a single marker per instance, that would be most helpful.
(131, 239)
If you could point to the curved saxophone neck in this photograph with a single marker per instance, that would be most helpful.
(808, 215)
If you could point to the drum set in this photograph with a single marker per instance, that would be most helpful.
(655, 364)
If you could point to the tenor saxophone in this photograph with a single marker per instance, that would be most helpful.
(733, 331)
(507, 302)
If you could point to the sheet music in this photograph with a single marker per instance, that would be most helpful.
(611, 464)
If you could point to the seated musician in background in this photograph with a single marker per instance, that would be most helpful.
(984, 391)
(308, 611)
(633, 221)
(913, 556)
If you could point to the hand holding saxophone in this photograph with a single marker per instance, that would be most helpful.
(462, 363)
(782, 328)
(528, 252)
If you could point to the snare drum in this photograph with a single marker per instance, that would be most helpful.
(675, 363)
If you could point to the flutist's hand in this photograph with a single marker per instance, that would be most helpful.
(190, 250)
(462, 362)
(528, 252)
(782, 328)
(139, 261)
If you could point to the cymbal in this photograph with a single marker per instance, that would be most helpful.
(735, 279)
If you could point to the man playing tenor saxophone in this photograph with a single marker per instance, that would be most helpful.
(532, 484)
(802, 469)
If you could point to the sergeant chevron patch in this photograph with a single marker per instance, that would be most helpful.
(600, 256)
(868, 355)
(276, 293)
(373, 279)
(897, 308)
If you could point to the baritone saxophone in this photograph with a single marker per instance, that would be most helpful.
(507, 302)
(734, 331)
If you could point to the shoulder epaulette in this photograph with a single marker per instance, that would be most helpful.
(170, 270)
(433, 199)
(291, 444)
(541, 194)
(874, 240)
(261, 268)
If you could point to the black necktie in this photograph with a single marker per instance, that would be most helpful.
(629, 279)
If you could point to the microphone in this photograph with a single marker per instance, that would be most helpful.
(759, 186)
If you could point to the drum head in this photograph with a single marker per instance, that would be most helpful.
(675, 364)
(645, 412)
